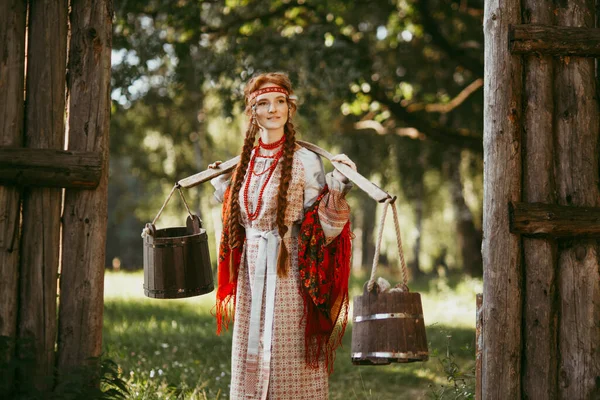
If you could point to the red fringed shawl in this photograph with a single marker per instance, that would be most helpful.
(324, 271)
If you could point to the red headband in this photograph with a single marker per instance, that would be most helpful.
(268, 89)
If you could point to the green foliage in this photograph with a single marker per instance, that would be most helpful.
(179, 67)
(460, 381)
(168, 349)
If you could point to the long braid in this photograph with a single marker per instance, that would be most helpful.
(287, 159)
(234, 223)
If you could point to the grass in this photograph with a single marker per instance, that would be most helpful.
(167, 349)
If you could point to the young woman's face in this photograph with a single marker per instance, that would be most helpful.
(271, 109)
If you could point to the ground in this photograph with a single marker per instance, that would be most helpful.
(167, 349)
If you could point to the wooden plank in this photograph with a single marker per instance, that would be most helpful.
(45, 128)
(85, 211)
(539, 255)
(12, 71)
(552, 220)
(502, 275)
(363, 183)
(576, 175)
(50, 168)
(206, 175)
(554, 40)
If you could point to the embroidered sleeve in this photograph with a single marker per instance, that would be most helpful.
(314, 176)
(334, 211)
(221, 183)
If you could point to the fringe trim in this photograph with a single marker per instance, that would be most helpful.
(326, 323)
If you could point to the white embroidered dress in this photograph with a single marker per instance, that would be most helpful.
(268, 360)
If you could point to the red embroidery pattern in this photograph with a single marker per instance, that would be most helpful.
(267, 90)
(302, 335)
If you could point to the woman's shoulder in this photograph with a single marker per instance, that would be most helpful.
(311, 164)
(306, 156)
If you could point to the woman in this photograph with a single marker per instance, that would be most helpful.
(284, 254)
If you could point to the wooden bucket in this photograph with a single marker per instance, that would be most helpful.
(388, 327)
(176, 261)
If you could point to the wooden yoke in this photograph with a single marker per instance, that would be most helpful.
(367, 186)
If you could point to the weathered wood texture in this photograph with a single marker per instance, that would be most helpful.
(50, 168)
(177, 262)
(502, 275)
(85, 211)
(576, 140)
(12, 70)
(478, 343)
(539, 255)
(45, 100)
(388, 327)
(554, 221)
(553, 40)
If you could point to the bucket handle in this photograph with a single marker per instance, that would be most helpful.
(390, 201)
(178, 187)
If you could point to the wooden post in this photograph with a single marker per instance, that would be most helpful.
(576, 137)
(85, 211)
(539, 305)
(12, 70)
(45, 128)
(501, 363)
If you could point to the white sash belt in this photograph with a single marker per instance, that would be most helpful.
(266, 267)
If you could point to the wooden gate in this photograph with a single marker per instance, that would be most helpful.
(54, 120)
(541, 301)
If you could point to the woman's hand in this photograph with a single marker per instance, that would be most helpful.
(343, 159)
(215, 165)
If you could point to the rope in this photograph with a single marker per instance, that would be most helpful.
(185, 202)
(378, 244)
(164, 204)
(400, 251)
(177, 186)
(403, 268)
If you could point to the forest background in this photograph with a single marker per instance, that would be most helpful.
(394, 84)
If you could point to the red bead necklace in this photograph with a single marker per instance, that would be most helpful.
(272, 166)
(271, 146)
(253, 215)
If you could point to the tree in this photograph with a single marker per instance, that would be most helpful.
(394, 67)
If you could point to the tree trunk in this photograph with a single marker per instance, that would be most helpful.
(85, 211)
(469, 238)
(540, 305)
(415, 265)
(12, 70)
(45, 128)
(577, 130)
(501, 363)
